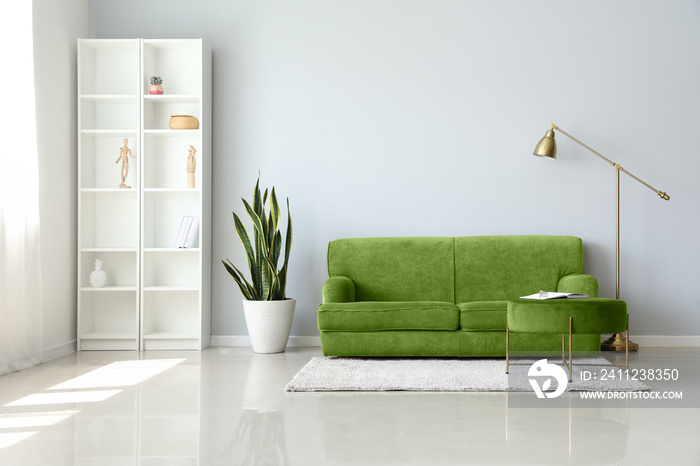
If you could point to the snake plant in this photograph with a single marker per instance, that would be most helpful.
(266, 282)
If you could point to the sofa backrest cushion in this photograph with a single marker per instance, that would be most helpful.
(395, 269)
(493, 268)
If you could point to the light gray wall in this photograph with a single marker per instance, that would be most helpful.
(57, 25)
(395, 117)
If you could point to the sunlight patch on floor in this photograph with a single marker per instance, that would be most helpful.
(119, 374)
(11, 438)
(91, 396)
(49, 418)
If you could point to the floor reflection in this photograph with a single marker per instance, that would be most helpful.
(259, 437)
(227, 406)
(429, 428)
(153, 415)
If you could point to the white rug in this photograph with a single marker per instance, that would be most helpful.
(385, 374)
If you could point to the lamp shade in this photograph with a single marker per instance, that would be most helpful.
(547, 147)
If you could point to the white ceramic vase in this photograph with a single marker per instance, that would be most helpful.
(269, 324)
(98, 277)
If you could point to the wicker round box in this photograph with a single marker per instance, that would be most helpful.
(183, 122)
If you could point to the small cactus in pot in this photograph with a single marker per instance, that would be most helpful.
(156, 85)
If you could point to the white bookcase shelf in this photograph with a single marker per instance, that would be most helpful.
(109, 335)
(109, 114)
(172, 190)
(109, 132)
(108, 67)
(172, 98)
(157, 295)
(171, 288)
(157, 113)
(109, 249)
(163, 212)
(176, 62)
(111, 98)
(177, 250)
(109, 219)
(108, 288)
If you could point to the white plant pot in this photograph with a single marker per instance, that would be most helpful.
(269, 324)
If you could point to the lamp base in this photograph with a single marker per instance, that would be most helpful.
(617, 343)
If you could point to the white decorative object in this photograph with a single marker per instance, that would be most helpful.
(98, 277)
(269, 324)
(124, 154)
(191, 166)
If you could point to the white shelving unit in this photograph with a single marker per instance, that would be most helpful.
(158, 296)
(175, 298)
(108, 112)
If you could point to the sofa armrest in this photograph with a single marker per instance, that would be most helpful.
(578, 283)
(338, 290)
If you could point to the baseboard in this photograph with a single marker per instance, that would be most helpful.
(57, 351)
(666, 341)
(649, 341)
(45, 355)
(244, 340)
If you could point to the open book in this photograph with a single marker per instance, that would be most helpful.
(554, 295)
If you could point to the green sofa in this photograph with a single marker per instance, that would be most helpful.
(444, 297)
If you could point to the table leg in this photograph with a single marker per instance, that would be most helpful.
(563, 355)
(627, 343)
(507, 346)
(571, 320)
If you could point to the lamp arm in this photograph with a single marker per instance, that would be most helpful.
(661, 194)
(617, 166)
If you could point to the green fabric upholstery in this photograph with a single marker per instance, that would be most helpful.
(498, 268)
(430, 343)
(393, 315)
(592, 315)
(483, 315)
(338, 290)
(396, 297)
(493, 344)
(407, 343)
(578, 283)
(395, 269)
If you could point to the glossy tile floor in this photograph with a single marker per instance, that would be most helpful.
(226, 406)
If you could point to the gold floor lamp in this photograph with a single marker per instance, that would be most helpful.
(547, 147)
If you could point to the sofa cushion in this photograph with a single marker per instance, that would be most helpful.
(589, 315)
(378, 315)
(501, 268)
(395, 269)
(483, 315)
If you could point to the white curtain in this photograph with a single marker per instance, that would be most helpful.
(21, 326)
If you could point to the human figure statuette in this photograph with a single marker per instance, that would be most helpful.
(191, 166)
(124, 154)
